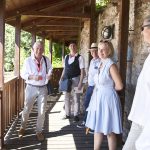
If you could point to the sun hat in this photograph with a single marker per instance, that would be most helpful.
(93, 46)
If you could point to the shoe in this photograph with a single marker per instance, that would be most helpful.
(40, 136)
(21, 133)
(66, 117)
(91, 131)
(81, 125)
(76, 119)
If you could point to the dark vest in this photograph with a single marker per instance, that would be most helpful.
(72, 70)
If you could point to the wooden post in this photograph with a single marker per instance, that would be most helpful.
(2, 47)
(2, 41)
(63, 51)
(33, 37)
(17, 46)
(92, 25)
(50, 50)
(123, 45)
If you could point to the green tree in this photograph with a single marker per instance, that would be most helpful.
(101, 3)
(9, 48)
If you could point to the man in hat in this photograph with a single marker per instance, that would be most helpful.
(93, 69)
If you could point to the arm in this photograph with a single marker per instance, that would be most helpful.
(116, 77)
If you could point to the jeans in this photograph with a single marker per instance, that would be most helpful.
(87, 99)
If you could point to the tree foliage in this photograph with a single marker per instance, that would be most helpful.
(9, 48)
(25, 49)
(101, 3)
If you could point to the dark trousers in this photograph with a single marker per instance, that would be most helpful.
(87, 99)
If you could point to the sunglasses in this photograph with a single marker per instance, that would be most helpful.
(142, 28)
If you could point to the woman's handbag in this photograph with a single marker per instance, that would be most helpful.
(65, 85)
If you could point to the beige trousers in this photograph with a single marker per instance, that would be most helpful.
(32, 94)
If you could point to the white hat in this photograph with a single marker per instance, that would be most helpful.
(94, 46)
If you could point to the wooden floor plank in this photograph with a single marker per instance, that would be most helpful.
(59, 134)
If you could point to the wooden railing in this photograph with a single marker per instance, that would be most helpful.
(11, 103)
(56, 76)
(12, 99)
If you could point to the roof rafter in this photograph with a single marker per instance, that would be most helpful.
(58, 15)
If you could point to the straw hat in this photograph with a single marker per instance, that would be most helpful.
(93, 46)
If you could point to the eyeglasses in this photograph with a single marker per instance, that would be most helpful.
(142, 28)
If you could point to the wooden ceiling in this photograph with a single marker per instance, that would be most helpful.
(60, 20)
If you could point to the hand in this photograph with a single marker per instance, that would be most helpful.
(48, 77)
(37, 78)
(79, 86)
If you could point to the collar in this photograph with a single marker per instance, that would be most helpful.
(74, 55)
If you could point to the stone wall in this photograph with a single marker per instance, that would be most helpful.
(137, 49)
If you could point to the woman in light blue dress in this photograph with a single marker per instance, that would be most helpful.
(104, 111)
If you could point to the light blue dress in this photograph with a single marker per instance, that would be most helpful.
(104, 111)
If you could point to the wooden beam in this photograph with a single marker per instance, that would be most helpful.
(57, 15)
(37, 6)
(2, 47)
(57, 5)
(52, 22)
(17, 46)
(122, 47)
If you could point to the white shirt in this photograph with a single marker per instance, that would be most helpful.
(93, 69)
(30, 68)
(140, 110)
(143, 142)
(71, 60)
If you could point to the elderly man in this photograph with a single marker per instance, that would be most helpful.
(93, 69)
(35, 74)
(139, 135)
(73, 69)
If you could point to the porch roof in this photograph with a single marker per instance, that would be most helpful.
(52, 19)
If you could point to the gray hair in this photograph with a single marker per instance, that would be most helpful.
(37, 43)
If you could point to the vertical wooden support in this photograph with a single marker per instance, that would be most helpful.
(50, 50)
(2, 47)
(17, 60)
(2, 41)
(33, 37)
(17, 46)
(63, 51)
(43, 40)
(123, 45)
(92, 25)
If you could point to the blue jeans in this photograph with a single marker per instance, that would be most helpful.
(87, 99)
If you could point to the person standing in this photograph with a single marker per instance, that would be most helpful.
(93, 69)
(35, 76)
(104, 111)
(73, 69)
(139, 135)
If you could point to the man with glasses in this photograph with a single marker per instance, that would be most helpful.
(139, 136)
